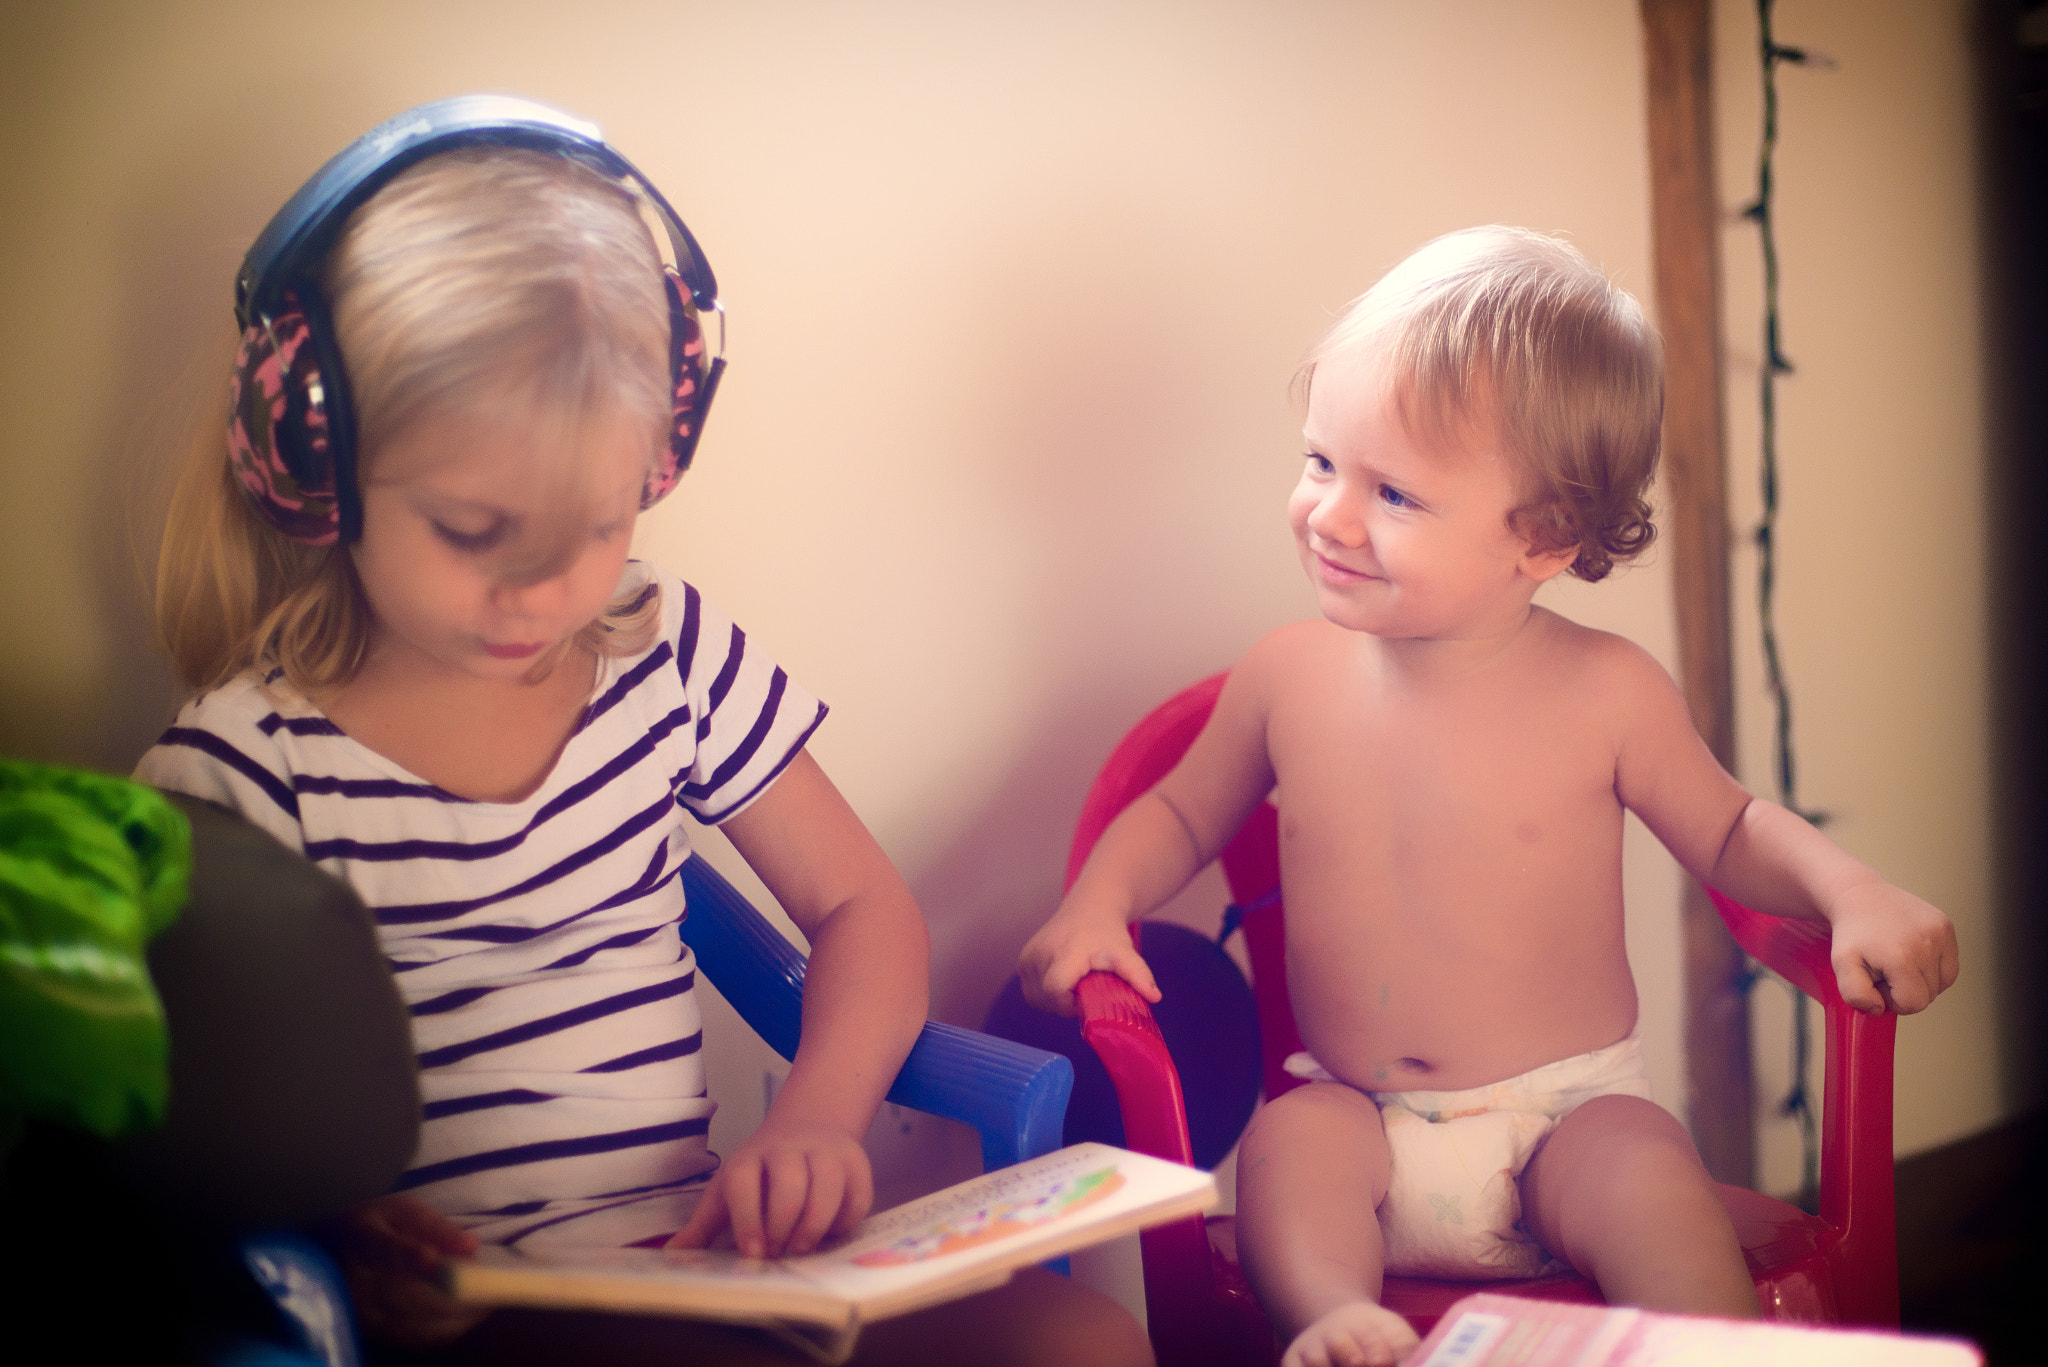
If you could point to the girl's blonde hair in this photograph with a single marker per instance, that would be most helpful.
(1517, 332)
(478, 276)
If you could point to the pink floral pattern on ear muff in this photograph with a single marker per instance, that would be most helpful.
(689, 365)
(273, 367)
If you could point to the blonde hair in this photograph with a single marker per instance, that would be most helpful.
(1517, 331)
(475, 276)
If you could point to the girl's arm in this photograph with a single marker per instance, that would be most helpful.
(1155, 846)
(1891, 950)
(803, 1174)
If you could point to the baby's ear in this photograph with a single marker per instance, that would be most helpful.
(1544, 565)
(1550, 540)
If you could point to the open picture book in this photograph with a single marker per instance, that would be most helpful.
(1488, 1330)
(955, 1242)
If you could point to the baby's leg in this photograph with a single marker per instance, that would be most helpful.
(1311, 1173)
(1618, 1191)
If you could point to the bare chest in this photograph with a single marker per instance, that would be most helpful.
(1476, 797)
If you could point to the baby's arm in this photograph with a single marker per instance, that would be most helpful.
(803, 1175)
(1156, 844)
(1891, 950)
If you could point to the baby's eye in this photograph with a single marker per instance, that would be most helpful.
(1320, 464)
(471, 542)
(1394, 498)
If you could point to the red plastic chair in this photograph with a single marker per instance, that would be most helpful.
(1839, 1267)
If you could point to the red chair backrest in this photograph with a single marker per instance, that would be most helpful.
(1251, 861)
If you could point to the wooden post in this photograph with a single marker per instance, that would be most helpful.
(1685, 221)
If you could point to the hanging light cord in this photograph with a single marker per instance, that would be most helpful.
(1798, 1101)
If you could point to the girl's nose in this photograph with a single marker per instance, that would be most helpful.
(531, 595)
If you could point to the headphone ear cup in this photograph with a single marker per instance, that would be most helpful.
(279, 443)
(694, 378)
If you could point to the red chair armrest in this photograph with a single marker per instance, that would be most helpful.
(1118, 1025)
(1856, 1192)
(1795, 950)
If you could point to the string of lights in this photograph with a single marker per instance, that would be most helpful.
(1798, 1101)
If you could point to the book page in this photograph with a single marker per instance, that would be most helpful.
(955, 1242)
(976, 1232)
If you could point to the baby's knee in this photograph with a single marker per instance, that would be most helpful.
(1615, 1160)
(1318, 1125)
(1620, 1139)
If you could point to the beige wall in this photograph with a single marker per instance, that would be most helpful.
(1016, 292)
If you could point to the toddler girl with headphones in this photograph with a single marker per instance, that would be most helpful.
(471, 354)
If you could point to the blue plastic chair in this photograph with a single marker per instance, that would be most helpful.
(1013, 1094)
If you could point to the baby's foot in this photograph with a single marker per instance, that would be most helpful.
(1359, 1334)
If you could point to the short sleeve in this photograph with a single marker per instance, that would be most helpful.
(219, 750)
(751, 719)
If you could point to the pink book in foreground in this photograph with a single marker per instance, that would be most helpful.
(1506, 1331)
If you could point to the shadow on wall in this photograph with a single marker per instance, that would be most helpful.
(1143, 580)
(182, 223)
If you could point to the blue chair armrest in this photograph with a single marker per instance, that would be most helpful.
(1016, 1096)
(310, 1296)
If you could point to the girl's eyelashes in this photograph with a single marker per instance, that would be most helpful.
(1394, 498)
(471, 541)
(475, 543)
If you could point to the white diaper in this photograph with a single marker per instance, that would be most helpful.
(1453, 1208)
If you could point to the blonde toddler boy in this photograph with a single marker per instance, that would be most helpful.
(1451, 765)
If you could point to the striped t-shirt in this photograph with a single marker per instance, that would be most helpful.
(534, 942)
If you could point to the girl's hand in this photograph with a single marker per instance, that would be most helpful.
(784, 1191)
(1068, 948)
(1892, 951)
(391, 1251)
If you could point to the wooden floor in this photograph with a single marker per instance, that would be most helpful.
(1973, 1241)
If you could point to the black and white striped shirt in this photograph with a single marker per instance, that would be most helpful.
(535, 942)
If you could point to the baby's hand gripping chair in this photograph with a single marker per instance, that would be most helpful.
(1840, 1266)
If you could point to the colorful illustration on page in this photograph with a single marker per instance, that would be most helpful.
(997, 1220)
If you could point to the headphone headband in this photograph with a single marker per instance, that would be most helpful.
(299, 234)
(291, 434)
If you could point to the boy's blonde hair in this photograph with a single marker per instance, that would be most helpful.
(1517, 332)
(485, 276)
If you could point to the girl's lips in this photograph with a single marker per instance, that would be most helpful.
(513, 652)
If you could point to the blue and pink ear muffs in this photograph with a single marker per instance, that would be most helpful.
(291, 427)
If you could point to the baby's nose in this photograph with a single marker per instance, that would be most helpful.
(1334, 519)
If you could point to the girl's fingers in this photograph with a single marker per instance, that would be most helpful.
(706, 1220)
(789, 1184)
(413, 1232)
(860, 1194)
(743, 1203)
(436, 1231)
(822, 1207)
